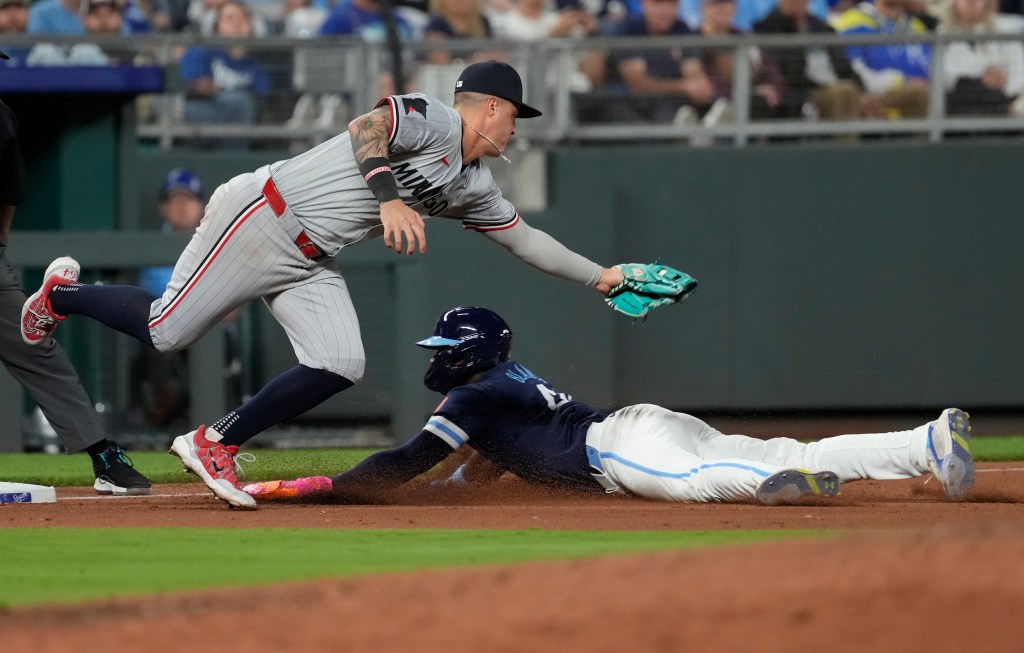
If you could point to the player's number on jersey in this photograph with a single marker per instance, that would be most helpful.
(554, 399)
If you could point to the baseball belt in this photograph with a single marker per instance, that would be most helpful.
(308, 248)
(597, 471)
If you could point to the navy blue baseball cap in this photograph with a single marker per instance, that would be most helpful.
(498, 79)
(179, 180)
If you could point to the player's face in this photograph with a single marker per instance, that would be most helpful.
(503, 123)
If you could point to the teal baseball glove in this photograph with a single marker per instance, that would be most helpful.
(646, 286)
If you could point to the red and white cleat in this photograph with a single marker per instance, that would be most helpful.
(37, 317)
(214, 463)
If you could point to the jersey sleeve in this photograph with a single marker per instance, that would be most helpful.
(418, 123)
(481, 206)
(462, 414)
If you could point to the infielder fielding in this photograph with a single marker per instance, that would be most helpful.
(523, 424)
(272, 234)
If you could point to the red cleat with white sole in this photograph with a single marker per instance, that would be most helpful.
(37, 317)
(215, 464)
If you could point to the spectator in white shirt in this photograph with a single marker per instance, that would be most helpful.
(982, 77)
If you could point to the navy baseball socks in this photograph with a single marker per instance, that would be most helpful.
(114, 471)
(288, 395)
(124, 308)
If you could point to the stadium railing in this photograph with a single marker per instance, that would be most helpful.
(317, 85)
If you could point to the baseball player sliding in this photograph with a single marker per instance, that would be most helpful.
(523, 424)
(273, 234)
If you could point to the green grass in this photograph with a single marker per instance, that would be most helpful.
(998, 449)
(61, 565)
(161, 467)
(66, 471)
(58, 565)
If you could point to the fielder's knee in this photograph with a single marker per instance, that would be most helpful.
(330, 382)
(351, 369)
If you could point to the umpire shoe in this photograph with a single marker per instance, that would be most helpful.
(37, 317)
(116, 475)
(788, 485)
(215, 464)
(949, 452)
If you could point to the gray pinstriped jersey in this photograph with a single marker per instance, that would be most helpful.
(325, 191)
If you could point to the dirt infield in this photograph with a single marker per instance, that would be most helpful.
(923, 574)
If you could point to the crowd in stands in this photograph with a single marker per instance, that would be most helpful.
(684, 85)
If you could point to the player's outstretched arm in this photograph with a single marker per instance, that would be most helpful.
(367, 482)
(386, 470)
(403, 227)
(543, 252)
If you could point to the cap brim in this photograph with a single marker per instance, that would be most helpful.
(3, 55)
(434, 342)
(526, 111)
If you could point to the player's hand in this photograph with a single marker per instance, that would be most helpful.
(402, 224)
(994, 77)
(457, 479)
(610, 278)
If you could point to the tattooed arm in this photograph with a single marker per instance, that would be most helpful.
(369, 134)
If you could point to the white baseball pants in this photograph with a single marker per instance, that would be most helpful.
(660, 454)
(242, 251)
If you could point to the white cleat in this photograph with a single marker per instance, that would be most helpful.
(949, 452)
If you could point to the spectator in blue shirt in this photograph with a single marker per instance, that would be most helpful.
(895, 74)
(748, 12)
(452, 20)
(14, 20)
(364, 18)
(68, 17)
(223, 85)
(55, 17)
(98, 17)
(659, 81)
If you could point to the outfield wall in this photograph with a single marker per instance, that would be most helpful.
(883, 276)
